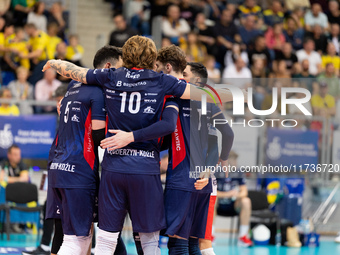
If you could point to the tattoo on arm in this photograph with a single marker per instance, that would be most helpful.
(69, 70)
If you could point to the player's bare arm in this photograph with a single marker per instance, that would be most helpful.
(67, 69)
(194, 93)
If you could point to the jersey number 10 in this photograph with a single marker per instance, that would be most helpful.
(134, 97)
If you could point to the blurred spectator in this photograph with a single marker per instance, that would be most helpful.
(16, 47)
(299, 16)
(213, 73)
(206, 33)
(334, 36)
(292, 5)
(49, 4)
(17, 170)
(249, 31)
(74, 52)
(293, 109)
(293, 33)
(274, 15)
(330, 78)
(331, 57)
(319, 39)
(165, 42)
(7, 109)
(45, 88)
(250, 8)
(309, 53)
(257, 69)
(38, 42)
(173, 26)
(280, 72)
(188, 11)
(232, 194)
(20, 11)
(122, 32)
(235, 51)
(37, 17)
(333, 14)
(260, 51)
(287, 55)
(54, 39)
(275, 37)
(315, 17)
(57, 16)
(22, 90)
(307, 77)
(6, 35)
(237, 70)
(323, 103)
(268, 99)
(4, 7)
(194, 49)
(61, 54)
(158, 8)
(138, 12)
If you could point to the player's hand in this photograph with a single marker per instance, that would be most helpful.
(47, 66)
(224, 165)
(59, 106)
(200, 184)
(119, 140)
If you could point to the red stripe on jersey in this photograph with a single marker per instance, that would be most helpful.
(56, 141)
(160, 139)
(106, 123)
(210, 218)
(136, 68)
(178, 145)
(88, 142)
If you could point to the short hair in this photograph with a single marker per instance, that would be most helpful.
(106, 54)
(139, 52)
(198, 69)
(36, 6)
(30, 25)
(173, 55)
(60, 91)
(307, 39)
(2, 91)
(13, 146)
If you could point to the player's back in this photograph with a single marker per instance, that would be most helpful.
(74, 163)
(135, 100)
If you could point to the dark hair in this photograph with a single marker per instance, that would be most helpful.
(173, 55)
(36, 6)
(13, 146)
(107, 54)
(307, 39)
(198, 69)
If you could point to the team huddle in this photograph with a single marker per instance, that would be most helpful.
(135, 103)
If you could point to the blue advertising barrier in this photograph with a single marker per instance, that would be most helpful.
(34, 134)
(292, 148)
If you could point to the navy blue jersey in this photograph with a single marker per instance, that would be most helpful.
(189, 146)
(74, 164)
(227, 184)
(134, 100)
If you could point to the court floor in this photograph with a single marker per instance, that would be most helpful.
(19, 242)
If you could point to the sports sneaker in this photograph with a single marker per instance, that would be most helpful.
(37, 251)
(244, 241)
(337, 239)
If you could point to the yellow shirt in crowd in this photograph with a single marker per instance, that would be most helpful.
(21, 47)
(71, 51)
(323, 102)
(52, 45)
(9, 110)
(328, 59)
(40, 42)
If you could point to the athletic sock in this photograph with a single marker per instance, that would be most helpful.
(194, 248)
(243, 230)
(45, 247)
(150, 243)
(209, 251)
(75, 245)
(106, 242)
(138, 243)
(178, 246)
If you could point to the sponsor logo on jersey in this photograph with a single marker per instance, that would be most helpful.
(149, 109)
(95, 71)
(75, 118)
(76, 102)
(76, 109)
(151, 94)
(77, 85)
(110, 91)
(63, 167)
(151, 101)
(132, 76)
(132, 152)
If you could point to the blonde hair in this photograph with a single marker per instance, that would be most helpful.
(139, 52)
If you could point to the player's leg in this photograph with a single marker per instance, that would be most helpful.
(145, 193)
(112, 210)
(205, 243)
(138, 244)
(77, 217)
(243, 206)
(58, 237)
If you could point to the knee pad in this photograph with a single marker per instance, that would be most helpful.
(149, 243)
(106, 242)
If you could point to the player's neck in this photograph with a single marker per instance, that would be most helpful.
(177, 75)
